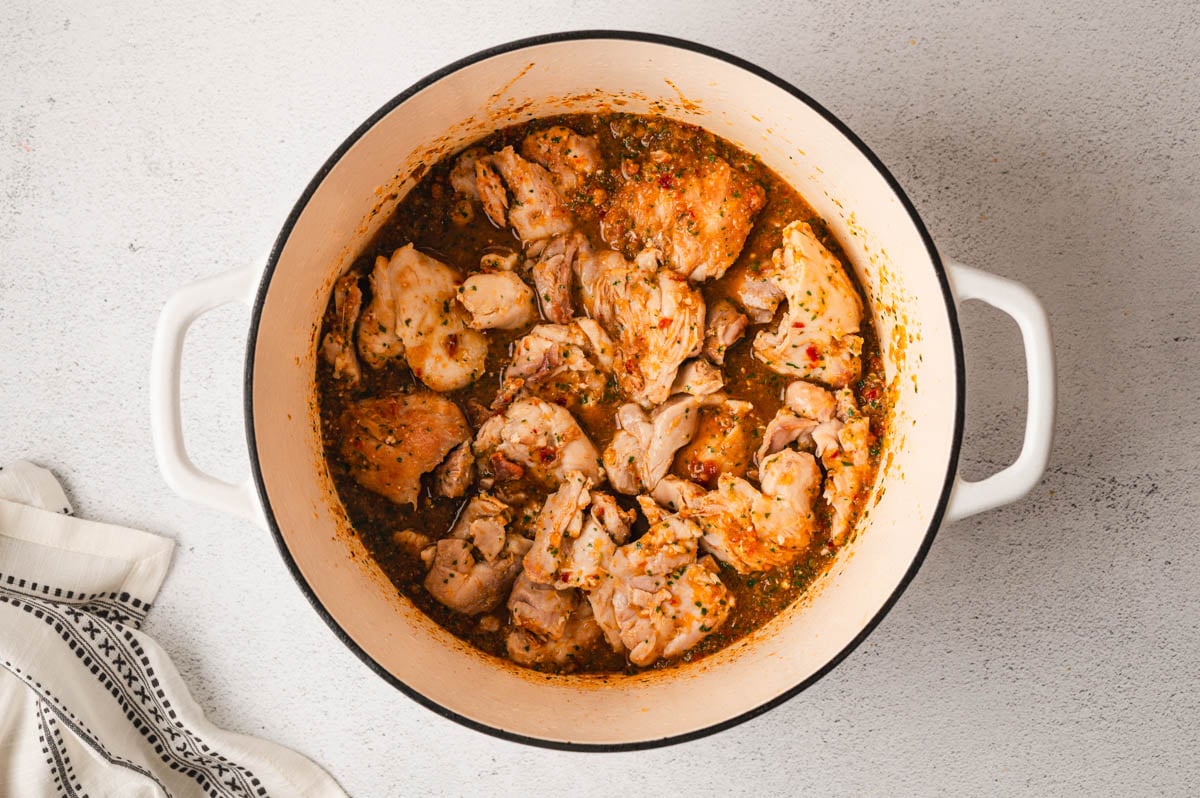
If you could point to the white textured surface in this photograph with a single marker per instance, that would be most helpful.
(1051, 647)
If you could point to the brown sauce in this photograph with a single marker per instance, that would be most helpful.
(423, 218)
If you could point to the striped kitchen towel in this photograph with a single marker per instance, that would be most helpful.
(89, 705)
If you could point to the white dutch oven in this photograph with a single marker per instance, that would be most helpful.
(913, 299)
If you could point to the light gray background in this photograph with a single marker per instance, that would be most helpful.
(1050, 647)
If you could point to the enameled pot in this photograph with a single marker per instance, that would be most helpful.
(913, 298)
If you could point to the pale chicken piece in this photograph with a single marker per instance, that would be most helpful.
(462, 175)
(413, 313)
(807, 417)
(497, 301)
(847, 466)
(758, 296)
(569, 156)
(566, 364)
(540, 608)
(656, 600)
(469, 585)
(456, 473)
(338, 345)
(816, 338)
(723, 443)
(378, 334)
(571, 546)
(651, 440)
(725, 327)
(754, 530)
(521, 194)
(698, 218)
(673, 494)
(557, 525)
(580, 634)
(656, 320)
(699, 378)
(389, 442)
(489, 188)
(553, 275)
(542, 440)
(620, 459)
(605, 526)
(411, 541)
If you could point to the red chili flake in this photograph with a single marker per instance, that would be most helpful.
(630, 366)
(563, 578)
(452, 344)
(547, 453)
(799, 325)
(665, 181)
(871, 394)
(812, 353)
(664, 323)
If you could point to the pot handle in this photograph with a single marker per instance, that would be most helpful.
(1013, 482)
(181, 474)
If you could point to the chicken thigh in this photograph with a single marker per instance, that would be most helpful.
(535, 440)
(697, 217)
(389, 442)
(654, 316)
(413, 314)
(816, 339)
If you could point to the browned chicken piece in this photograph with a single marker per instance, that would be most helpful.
(540, 608)
(389, 442)
(338, 345)
(698, 218)
(553, 275)
(568, 156)
(847, 466)
(474, 569)
(456, 473)
(521, 194)
(726, 326)
(413, 314)
(699, 378)
(580, 634)
(656, 600)
(535, 440)
(816, 338)
(566, 364)
(722, 444)
(755, 530)
(656, 320)
(497, 301)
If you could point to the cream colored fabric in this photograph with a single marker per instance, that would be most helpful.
(89, 705)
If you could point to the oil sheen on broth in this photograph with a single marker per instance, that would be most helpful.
(452, 226)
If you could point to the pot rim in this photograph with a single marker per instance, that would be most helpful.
(651, 38)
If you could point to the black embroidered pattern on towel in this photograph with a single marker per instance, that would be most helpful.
(117, 660)
(116, 607)
(77, 727)
(56, 753)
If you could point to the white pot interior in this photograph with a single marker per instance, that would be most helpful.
(891, 258)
